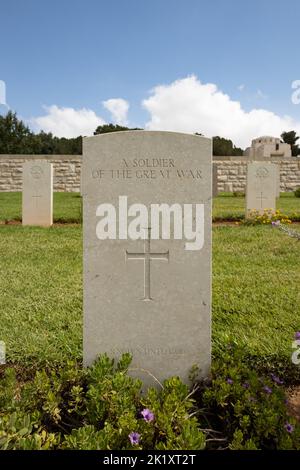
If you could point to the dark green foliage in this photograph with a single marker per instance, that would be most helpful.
(291, 138)
(106, 128)
(225, 147)
(297, 192)
(17, 138)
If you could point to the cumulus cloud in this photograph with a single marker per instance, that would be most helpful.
(118, 107)
(187, 105)
(67, 122)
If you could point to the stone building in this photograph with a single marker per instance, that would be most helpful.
(267, 147)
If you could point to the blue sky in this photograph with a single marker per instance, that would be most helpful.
(77, 54)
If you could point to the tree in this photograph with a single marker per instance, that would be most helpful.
(113, 128)
(291, 138)
(15, 136)
(225, 147)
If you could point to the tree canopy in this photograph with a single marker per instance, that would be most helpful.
(291, 138)
(16, 137)
(114, 128)
(225, 147)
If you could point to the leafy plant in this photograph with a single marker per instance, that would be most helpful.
(267, 217)
(250, 409)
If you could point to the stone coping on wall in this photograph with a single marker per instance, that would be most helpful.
(19, 156)
(236, 159)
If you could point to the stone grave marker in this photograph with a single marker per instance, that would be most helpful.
(261, 189)
(147, 251)
(215, 180)
(37, 195)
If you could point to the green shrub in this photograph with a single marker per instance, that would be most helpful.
(250, 409)
(97, 408)
(297, 192)
(103, 408)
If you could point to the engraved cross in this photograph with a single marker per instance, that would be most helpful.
(261, 199)
(36, 201)
(147, 256)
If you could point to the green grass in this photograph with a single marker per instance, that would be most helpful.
(67, 207)
(41, 293)
(256, 295)
(228, 207)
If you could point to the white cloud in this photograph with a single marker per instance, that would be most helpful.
(67, 122)
(241, 87)
(187, 105)
(118, 107)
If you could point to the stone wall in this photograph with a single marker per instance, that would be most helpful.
(232, 173)
(67, 171)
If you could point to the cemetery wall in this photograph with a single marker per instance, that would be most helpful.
(232, 173)
(67, 172)
(66, 168)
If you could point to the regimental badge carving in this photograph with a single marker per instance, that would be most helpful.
(262, 172)
(36, 172)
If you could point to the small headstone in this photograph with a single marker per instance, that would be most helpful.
(215, 180)
(37, 197)
(262, 182)
(278, 180)
(147, 290)
(228, 187)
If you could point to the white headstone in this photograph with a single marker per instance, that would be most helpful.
(150, 296)
(37, 197)
(215, 180)
(262, 178)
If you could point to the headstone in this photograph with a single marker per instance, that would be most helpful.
(278, 180)
(215, 180)
(261, 187)
(228, 187)
(37, 197)
(147, 290)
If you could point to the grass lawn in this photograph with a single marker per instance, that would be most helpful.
(67, 207)
(256, 295)
(228, 207)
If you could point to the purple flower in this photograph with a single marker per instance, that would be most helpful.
(276, 379)
(289, 427)
(267, 389)
(147, 415)
(276, 223)
(297, 335)
(134, 438)
(252, 399)
(229, 381)
(246, 385)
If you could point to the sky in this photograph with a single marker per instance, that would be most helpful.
(218, 67)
